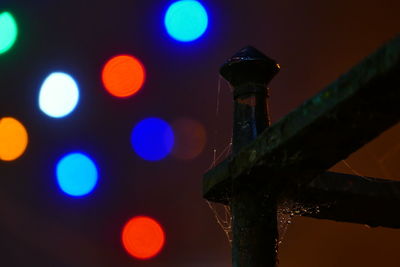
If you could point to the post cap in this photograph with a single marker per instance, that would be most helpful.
(249, 66)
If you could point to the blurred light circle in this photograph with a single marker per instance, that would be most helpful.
(190, 138)
(59, 95)
(123, 75)
(152, 139)
(143, 237)
(186, 20)
(8, 31)
(13, 139)
(76, 174)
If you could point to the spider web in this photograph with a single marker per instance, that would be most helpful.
(222, 213)
(379, 159)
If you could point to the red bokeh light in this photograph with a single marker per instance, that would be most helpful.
(123, 75)
(143, 237)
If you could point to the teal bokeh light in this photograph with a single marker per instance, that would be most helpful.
(186, 20)
(76, 174)
(8, 31)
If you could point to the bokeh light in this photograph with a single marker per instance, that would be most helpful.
(8, 31)
(13, 139)
(58, 95)
(152, 139)
(143, 237)
(76, 174)
(186, 20)
(123, 75)
(190, 138)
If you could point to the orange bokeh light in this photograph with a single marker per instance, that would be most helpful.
(123, 75)
(143, 237)
(13, 139)
(190, 138)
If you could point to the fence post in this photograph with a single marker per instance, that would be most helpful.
(254, 211)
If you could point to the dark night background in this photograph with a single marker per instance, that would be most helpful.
(314, 42)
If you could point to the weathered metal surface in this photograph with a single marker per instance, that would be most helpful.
(255, 230)
(248, 66)
(217, 183)
(249, 72)
(349, 198)
(254, 233)
(322, 131)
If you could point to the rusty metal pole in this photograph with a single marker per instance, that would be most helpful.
(255, 231)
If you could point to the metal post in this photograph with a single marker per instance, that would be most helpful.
(254, 211)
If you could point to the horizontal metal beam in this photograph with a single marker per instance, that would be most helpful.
(354, 199)
(217, 183)
(347, 198)
(342, 118)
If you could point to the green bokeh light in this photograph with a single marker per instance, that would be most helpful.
(8, 31)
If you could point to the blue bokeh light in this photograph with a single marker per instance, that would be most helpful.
(152, 139)
(186, 20)
(76, 174)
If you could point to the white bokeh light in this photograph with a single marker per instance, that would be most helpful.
(59, 95)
